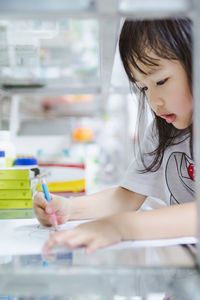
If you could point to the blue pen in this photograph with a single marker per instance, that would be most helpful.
(48, 198)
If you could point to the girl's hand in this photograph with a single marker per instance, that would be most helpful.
(43, 209)
(91, 235)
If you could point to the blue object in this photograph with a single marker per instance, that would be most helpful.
(2, 153)
(48, 198)
(46, 191)
(45, 263)
(66, 152)
(25, 161)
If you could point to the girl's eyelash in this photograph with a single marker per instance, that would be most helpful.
(145, 88)
(161, 82)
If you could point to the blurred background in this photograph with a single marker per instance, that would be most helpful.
(64, 96)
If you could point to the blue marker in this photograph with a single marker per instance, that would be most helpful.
(48, 198)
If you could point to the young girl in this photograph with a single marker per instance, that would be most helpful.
(157, 57)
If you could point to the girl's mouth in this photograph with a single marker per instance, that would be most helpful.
(170, 118)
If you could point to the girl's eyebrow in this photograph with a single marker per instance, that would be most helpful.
(154, 70)
(151, 72)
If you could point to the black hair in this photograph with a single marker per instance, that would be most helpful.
(168, 39)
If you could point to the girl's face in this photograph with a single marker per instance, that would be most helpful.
(167, 90)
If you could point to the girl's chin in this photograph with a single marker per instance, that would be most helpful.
(179, 125)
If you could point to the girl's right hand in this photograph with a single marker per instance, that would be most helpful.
(43, 209)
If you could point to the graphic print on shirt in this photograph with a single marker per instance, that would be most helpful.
(179, 174)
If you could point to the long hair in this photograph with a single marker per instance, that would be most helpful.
(168, 39)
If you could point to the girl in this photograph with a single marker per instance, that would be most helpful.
(157, 59)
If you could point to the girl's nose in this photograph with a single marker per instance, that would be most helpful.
(155, 100)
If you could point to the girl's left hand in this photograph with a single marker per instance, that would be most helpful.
(91, 235)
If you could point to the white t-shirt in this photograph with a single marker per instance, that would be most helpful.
(173, 182)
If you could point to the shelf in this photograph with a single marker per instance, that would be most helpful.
(50, 57)
(150, 8)
(45, 7)
(49, 90)
(56, 60)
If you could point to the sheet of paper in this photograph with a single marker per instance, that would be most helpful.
(28, 237)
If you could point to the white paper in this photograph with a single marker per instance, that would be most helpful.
(27, 236)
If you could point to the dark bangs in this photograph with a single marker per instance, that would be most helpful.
(167, 39)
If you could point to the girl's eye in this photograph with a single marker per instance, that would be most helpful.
(161, 82)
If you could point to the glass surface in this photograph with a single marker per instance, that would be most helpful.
(104, 275)
(55, 54)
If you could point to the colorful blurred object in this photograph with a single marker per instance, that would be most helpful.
(83, 135)
(51, 102)
(64, 179)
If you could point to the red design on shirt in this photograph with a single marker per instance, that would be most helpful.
(191, 171)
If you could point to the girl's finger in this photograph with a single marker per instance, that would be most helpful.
(71, 238)
(42, 216)
(52, 242)
(57, 238)
(61, 220)
(93, 246)
(77, 241)
(39, 200)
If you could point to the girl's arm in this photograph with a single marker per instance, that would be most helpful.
(168, 222)
(104, 203)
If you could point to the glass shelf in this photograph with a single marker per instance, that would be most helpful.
(59, 55)
(103, 275)
(21, 6)
(154, 6)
